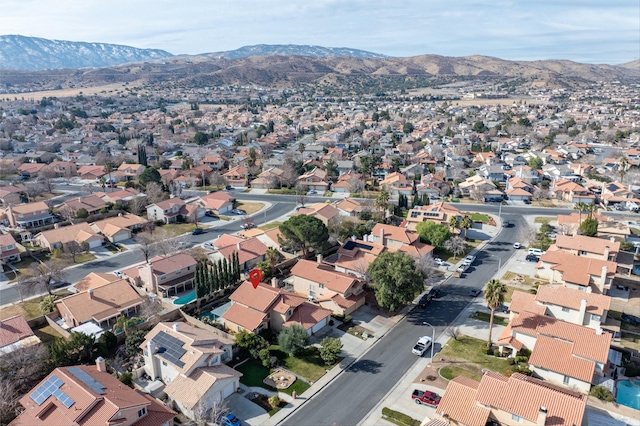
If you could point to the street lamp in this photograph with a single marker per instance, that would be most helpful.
(433, 337)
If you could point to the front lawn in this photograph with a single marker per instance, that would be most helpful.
(249, 207)
(175, 229)
(543, 219)
(453, 372)
(479, 217)
(486, 317)
(270, 225)
(355, 330)
(474, 351)
(308, 364)
(29, 308)
(253, 374)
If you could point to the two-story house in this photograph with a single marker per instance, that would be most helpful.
(165, 276)
(87, 394)
(167, 211)
(9, 252)
(250, 251)
(190, 361)
(130, 171)
(402, 239)
(517, 399)
(397, 184)
(572, 192)
(216, 162)
(63, 168)
(31, 215)
(340, 292)
(582, 245)
(237, 176)
(316, 180)
(440, 213)
(267, 307)
(579, 272)
(91, 203)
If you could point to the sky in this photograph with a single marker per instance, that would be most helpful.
(587, 31)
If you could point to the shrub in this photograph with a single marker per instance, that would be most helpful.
(524, 352)
(520, 359)
(631, 369)
(127, 379)
(602, 393)
(348, 319)
(265, 357)
(496, 352)
(511, 361)
(274, 400)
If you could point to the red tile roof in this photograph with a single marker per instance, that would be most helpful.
(14, 329)
(313, 271)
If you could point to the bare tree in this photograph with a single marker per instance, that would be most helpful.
(478, 193)
(453, 332)
(90, 188)
(455, 245)
(540, 194)
(9, 397)
(203, 415)
(217, 179)
(44, 273)
(45, 178)
(528, 234)
(301, 192)
(165, 244)
(194, 216)
(138, 204)
(145, 242)
(427, 265)
(154, 192)
(25, 365)
(151, 308)
(356, 184)
(74, 248)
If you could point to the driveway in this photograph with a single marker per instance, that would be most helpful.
(250, 413)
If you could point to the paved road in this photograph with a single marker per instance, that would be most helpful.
(355, 392)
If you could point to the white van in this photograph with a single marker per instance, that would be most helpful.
(535, 251)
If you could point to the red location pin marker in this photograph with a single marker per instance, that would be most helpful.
(255, 275)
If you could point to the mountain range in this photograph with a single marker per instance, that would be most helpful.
(95, 64)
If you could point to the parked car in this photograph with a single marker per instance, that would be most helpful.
(211, 214)
(429, 296)
(632, 319)
(209, 245)
(197, 231)
(474, 292)
(312, 192)
(230, 420)
(422, 345)
(535, 251)
(516, 246)
(429, 398)
(117, 274)
(248, 225)
(532, 258)
(462, 268)
(469, 259)
(58, 284)
(439, 261)
(238, 211)
(506, 224)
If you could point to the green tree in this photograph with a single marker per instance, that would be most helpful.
(382, 201)
(331, 347)
(589, 227)
(251, 342)
(395, 278)
(454, 223)
(602, 393)
(48, 304)
(304, 232)
(434, 233)
(331, 167)
(494, 295)
(535, 163)
(293, 339)
(479, 127)
(524, 121)
(150, 174)
(142, 155)
(268, 266)
(82, 213)
(77, 349)
(133, 341)
(580, 206)
(200, 138)
(108, 340)
(125, 324)
(407, 128)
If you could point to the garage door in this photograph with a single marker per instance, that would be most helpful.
(229, 390)
(318, 326)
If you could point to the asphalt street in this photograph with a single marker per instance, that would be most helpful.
(354, 393)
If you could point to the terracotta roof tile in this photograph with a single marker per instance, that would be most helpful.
(313, 271)
(571, 298)
(14, 329)
(459, 403)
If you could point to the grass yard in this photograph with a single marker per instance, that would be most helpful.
(486, 317)
(253, 374)
(175, 229)
(249, 207)
(472, 350)
(355, 330)
(479, 217)
(630, 340)
(308, 364)
(543, 219)
(453, 372)
(270, 225)
(29, 308)
(46, 333)
(80, 258)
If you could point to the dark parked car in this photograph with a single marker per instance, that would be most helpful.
(58, 284)
(475, 292)
(197, 231)
(632, 319)
(532, 258)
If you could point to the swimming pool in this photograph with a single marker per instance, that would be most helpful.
(629, 393)
(189, 297)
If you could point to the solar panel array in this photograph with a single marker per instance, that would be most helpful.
(85, 378)
(51, 387)
(169, 348)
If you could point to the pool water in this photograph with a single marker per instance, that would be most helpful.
(629, 393)
(189, 297)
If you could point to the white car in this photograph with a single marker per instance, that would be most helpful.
(438, 261)
(535, 252)
(516, 245)
(422, 345)
(469, 259)
(208, 245)
(117, 274)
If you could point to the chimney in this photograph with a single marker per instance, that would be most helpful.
(603, 279)
(176, 326)
(598, 331)
(101, 365)
(274, 282)
(382, 236)
(319, 258)
(238, 245)
(90, 292)
(606, 252)
(583, 310)
(542, 416)
(151, 361)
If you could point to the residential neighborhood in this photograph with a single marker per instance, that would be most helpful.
(220, 253)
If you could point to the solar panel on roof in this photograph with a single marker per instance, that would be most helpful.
(169, 348)
(51, 387)
(85, 378)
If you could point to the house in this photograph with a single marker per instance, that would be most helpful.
(15, 335)
(572, 192)
(101, 305)
(167, 211)
(494, 173)
(58, 237)
(94, 280)
(349, 207)
(237, 176)
(190, 362)
(525, 173)
(63, 168)
(88, 394)
(266, 307)
(130, 171)
(92, 173)
(250, 251)
(561, 352)
(118, 228)
(396, 238)
(578, 272)
(123, 195)
(440, 213)
(218, 202)
(269, 179)
(397, 184)
(166, 276)
(9, 252)
(488, 158)
(30, 169)
(517, 399)
(323, 211)
(433, 185)
(12, 194)
(340, 292)
(581, 245)
(316, 180)
(91, 203)
(31, 215)
(479, 188)
(216, 162)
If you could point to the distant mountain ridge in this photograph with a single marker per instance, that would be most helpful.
(294, 50)
(32, 53)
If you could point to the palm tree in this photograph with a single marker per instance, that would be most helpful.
(466, 223)
(623, 164)
(382, 202)
(591, 209)
(581, 207)
(494, 295)
(454, 223)
(124, 324)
